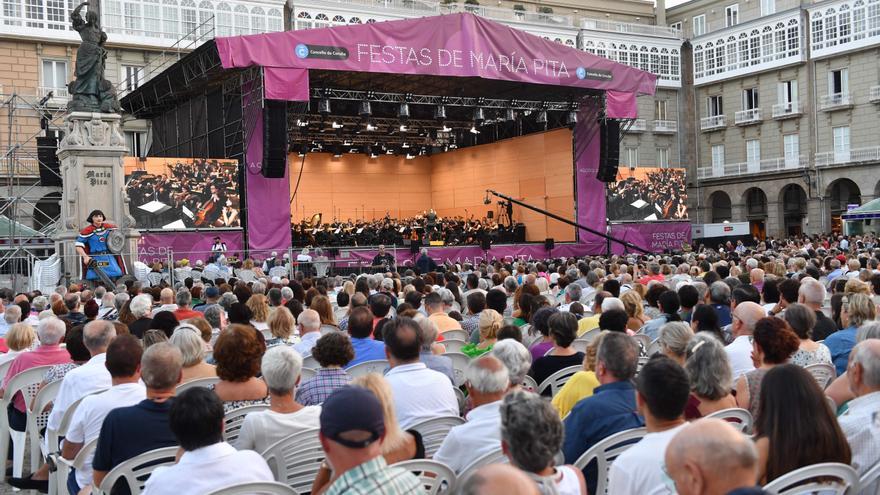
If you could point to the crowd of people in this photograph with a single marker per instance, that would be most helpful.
(199, 193)
(420, 229)
(660, 342)
(661, 195)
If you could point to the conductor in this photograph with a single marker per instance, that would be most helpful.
(425, 263)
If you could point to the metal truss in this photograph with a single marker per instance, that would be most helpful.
(450, 101)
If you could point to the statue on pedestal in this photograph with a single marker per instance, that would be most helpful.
(89, 91)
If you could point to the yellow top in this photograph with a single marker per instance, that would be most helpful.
(579, 386)
(587, 324)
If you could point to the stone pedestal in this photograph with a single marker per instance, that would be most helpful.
(93, 174)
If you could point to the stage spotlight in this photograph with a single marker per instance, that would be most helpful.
(440, 112)
(541, 117)
(337, 151)
(410, 156)
(403, 128)
(479, 115)
(370, 126)
(302, 123)
(486, 200)
(324, 106)
(337, 125)
(405, 145)
(365, 110)
(403, 111)
(445, 128)
(509, 115)
(474, 130)
(571, 118)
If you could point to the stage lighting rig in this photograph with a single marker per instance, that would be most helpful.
(365, 110)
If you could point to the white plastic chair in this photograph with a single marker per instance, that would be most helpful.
(453, 345)
(824, 373)
(58, 476)
(580, 345)
(434, 431)
(590, 334)
(295, 460)
(4, 368)
(742, 418)
(530, 384)
(455, 334)
(136, 471)
(198, 382)
(459, 364)
(79, 461)
(436, 477)
(256, 488)
(462, 400)
(38, 416)
(365, 368)
(278, 271)
(869, 478)
(233, 419)
(645, 340)
(557, 380)
(606, 451)
(799, 480)
(654, 348)
(494, 457)
(310, 362)
(307, 374)
(25, 382)
(246, 275)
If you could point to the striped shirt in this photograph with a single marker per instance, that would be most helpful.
(375, 477)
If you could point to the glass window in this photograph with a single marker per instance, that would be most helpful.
(753, 153)
(660, 107)
(132, 76)
(841, 144)
(632, 156)
(768, 7)
(750, 99)
(731, 15)
(791, 150)
(54, 75)
(718, 155)
(715, 106)
(169, 16)
(699, 25)
(663, 157)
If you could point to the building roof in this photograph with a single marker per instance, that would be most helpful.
(867, 211)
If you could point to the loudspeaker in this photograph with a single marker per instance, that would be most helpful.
(275, 139)
(490, 214)
(485, 242)
(49, 167)
(609, 150)
(549, 244)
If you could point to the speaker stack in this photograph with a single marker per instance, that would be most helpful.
(275, 139)
(609, 150)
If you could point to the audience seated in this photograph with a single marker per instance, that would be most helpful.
(516, 359)
(531, 436)
(563, 331)
(332, 351)
(207, 463)
(612, 407)
(189, 342)
(124, 364)
(788, 439)
(739, 352)
(498, 479)
(773, 343)
(581, 384)
(802, 320)
(238, 352)
(711, 379)
(487, 382)
(281, 367)
(352, 432)
(360, 328)
(855, 310)
(419, 393)
(662, 394)
(489, 323)
(709, 456)
(859, 422)
(130, 431)
(428, 336)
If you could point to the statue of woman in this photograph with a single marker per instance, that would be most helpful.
(85, 90)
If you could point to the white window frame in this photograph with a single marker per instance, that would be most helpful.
(661, 109)
(768, 7)
(791, 150)
(844, 81)
(753, 155)
(124, 76)
(632, 156)
(676, 25)
(663, 157)
(714, 106)
(731, 15)
(55, 84)
(718, 160)
(136, 142)
(840, 139)
(699, 20)
(750, 99)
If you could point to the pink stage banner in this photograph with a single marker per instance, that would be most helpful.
(470, 254)
(589, 191)
(283, 83)
(154, 246)
(653, 237)
(620, 105)
(459, 45)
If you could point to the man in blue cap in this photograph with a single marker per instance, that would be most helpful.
(352, 431)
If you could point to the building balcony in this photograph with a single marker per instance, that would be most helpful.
(629, 28)
(786, 110)
(638, 125)
(848, 156)
(509, 15)
(767, 165)
(747, 117)
(713, 123)
(25, 165)
(665, 126)
(59, 96)
(835, 101)
(874, 94)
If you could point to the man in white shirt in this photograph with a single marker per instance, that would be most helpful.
(739, 352)
(208, 463)
(573, 294)
(662, 390)
(860, 422)
(487, 381)
(419, 393)
(309, 323)
(304, 256)
(281, 369)
(166, 301)
(124, 364)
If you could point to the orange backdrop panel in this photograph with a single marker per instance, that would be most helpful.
(536, 169)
